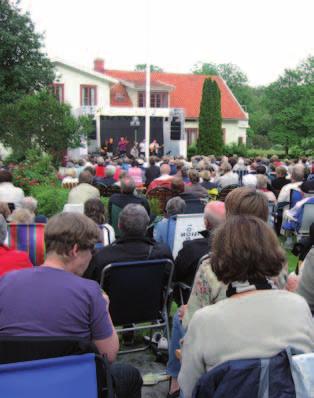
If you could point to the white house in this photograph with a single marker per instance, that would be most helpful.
(114, 97)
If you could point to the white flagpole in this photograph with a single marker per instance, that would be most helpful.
(147, 87)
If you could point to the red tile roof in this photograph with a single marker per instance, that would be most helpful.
(187, 91)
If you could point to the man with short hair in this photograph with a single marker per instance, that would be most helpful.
(108, 180)
(164, 180)
(126, 197)
(196, 188)
(132, 246)
(297, 177)
(84, 190)
(53, 300)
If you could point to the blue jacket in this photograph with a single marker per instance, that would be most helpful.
(248, 378)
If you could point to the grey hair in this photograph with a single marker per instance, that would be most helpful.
(133, 220)
(3, 229)
(298, 172)
(127, 185)
(175, 206)
(261, 181)
(29, 203)
(110, 170)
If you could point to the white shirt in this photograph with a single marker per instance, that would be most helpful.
(284, 195)
(11, 194)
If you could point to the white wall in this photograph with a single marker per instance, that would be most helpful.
(72, 81)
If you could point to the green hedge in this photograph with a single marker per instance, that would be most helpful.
(51, 199)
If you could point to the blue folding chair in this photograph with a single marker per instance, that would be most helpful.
(62, 377)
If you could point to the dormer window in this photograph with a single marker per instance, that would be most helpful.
(158, 99)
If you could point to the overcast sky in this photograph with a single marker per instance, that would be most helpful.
(261, 37)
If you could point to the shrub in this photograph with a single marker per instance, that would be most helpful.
(51, 199)
(36, 169)
(192, 151)
(235, 149)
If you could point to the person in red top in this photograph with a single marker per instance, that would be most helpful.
(164, 180)
(100, 168)
(10, 259)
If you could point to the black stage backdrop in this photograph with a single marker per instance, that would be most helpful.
(119, 126)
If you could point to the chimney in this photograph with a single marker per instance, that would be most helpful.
(99, 65)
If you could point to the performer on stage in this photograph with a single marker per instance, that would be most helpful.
(122, 146)
(134, 150)
(154, 148)
(110, 147)
(142, 148)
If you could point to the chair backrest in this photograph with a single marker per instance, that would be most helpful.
(137, 290)
(62, 377)
(224, 192)
(28, 238)
(194, 206)
(74, 208)
(269, 377)
(33, 350)
(295, 197)
(162, 194)
(307, 219)
(188, 227)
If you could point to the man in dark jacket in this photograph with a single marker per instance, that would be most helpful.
(193, 250)
(152, 171)
(132, 246)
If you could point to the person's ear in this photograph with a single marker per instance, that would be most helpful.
(74, 251)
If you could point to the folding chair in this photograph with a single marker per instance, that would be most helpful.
(194, 206)
(139, 293)
(307, 220)
(183, 287)
(28, 238)
(295, 197)
(52, 367)
(162, 194)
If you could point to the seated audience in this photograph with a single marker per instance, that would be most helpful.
(5, 210)
(164, 180)
(108, 180)
(95, 210)
(10, 259)
(84, 190)
(133, 245)
(22, 216)
(219, 333)
(193, 203)
(164, 230)
(261, 186)
(8, 192)
(297, 177)
(30, 204)
(306, 283)
(227, 177)
(100, 167)
(70, 177)
(196, 188)
(53, 300)
(207, 176)
(280, 180)
(127, 196)
(136, 173)
(193, 250)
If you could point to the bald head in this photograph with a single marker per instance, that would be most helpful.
(164, 169)
(214, 214)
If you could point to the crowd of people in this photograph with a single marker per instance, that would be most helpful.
(238, 302)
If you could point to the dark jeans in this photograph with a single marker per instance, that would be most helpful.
(127, 380)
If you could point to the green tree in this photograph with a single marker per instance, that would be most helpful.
(153, 68)
(24, 68)
(210, 139)
(290, 103)
(40, 121)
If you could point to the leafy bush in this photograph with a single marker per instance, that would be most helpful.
(235, 149)
(36, 169)
(192, 151)
(51, 199)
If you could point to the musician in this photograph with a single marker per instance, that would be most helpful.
(134, 150)
(110, 147)
(122, 144)
(142, 148)
(154, 148)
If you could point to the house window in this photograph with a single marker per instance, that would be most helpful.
(192, 135)
(157, 100)
(88, 95)
(57, 90)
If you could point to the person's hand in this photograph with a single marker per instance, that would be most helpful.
(182, 311)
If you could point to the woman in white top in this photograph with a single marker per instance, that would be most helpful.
(95, 209)
(255, 320)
